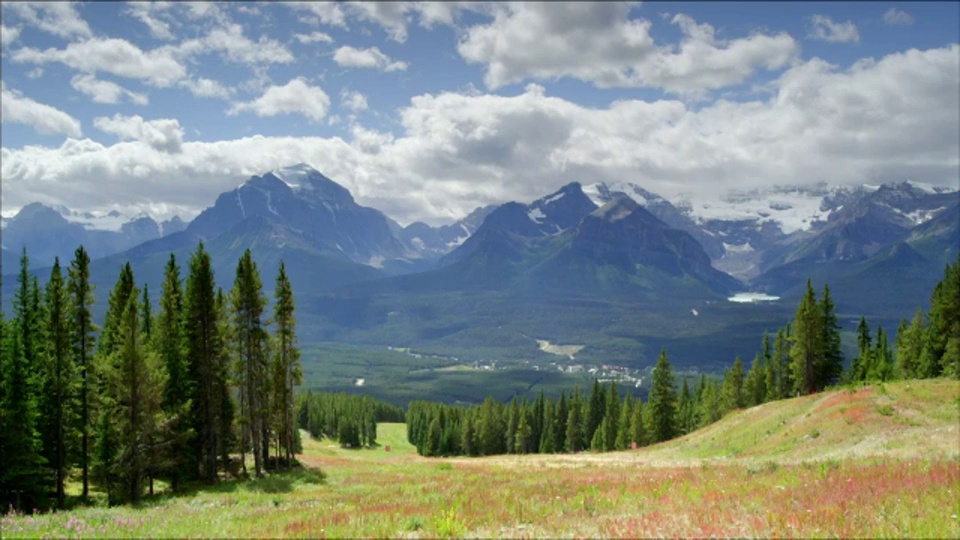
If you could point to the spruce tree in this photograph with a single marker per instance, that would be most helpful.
(732, 396)
(662, 401)
(202, 345)
(909, 347)
(860, 366)
(781, 357)
(612, 416)
(830, 367)
(623, 424)
(168, 342)
(22, 475)
(574, 434)
(288, 372)
(134, 381)
(560, 423)
(247, 305)
(60, 382)
(638, 432)
(82, 330)
(808, 347)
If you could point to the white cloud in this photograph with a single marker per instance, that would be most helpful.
(888, 119)
(8, 34)
(147, 13)
(348, 56)
(599, 43)
(894, 16)
(206, 88)
(109, 55)
(235, 47)
(295, 97)
(163, 135)
(328, 13)
(35, 73)
(58, 18)
(44, 119)
(105, 91)
(355, 101)
(314, 37)
(391, 16)
(824, 29)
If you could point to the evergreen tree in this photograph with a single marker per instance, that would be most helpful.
(808, 347)
(595, 409)
(225, 413)
(710, 405)
(685, 410)
(574, 434)
(202, 343)
(909, 347)
(560, 413)
(771, 371)
(638, 432)
(548, 438)
(60, 382)
(523, 440)
(861, 364)
(168, 342)
(22, 475)
(732, 395)
(612, 416)
(830, 367)
(82, 331)
(623, 424)
(755, 386)
(134, 383)
(941, 350)
(781, 357)
(881, 365)
(288, 372)
(512, 420)
(662, 401)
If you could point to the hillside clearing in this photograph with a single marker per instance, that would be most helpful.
(884, 463)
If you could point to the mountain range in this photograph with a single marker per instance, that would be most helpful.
(615, 267)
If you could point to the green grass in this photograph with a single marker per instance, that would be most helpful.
(827, 486)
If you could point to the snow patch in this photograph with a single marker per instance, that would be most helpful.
(734, 248)
(922, 216)
(593, 192)
(554, 198)
(270, 204)
(536, 215)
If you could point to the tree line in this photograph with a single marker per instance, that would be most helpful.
(804, 357)
(167, 395)
(349, 419)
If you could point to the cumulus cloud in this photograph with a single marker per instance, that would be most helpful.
(163, 135)
(824, 29)
(328, 13)
(44, 119)
(391, 16)
(101, 91)
(313, 37)
(295, 97)
(206, 88)
(599, 43)
(348, 56)
(8, 34)
(897, 17)
(235, 47)
(148, 13)
(58, 18)
(355, 101)
(110, 55)
(455, 151)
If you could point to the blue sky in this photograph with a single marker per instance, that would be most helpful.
(426, 110)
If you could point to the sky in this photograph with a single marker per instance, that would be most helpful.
(426, 110)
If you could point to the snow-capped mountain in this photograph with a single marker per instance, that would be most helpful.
(436, 241)
(56, 231)
(319, 212)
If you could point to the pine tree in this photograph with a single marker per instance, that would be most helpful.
(710, 405)
(638, 432)
(512, 420)
(685, 410)
(662, 401)
(82, 331)
(560, 423)
(909, 347)
(134, 383)
(287, 357)
(248, 302)
(224, 369)
(771, 370)
(60, 382)
(202, 345)
(861, 364)
(830, 367)
(755, 386)
(941, 351)
(574, 434)
(22, 474)
(548, 437)
(781, 357)
(168, 342)
(881, 365)
(732, 395)
(623, 424)
(612, 416)
(808, 347)
(595, 409)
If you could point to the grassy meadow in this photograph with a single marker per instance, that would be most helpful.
(878, 461)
